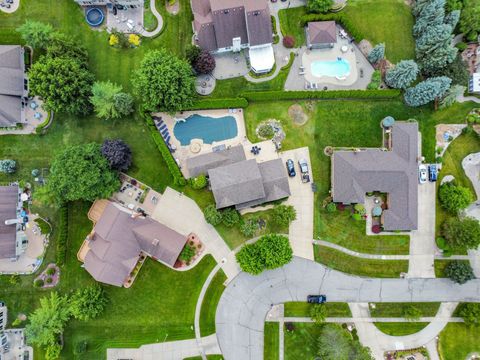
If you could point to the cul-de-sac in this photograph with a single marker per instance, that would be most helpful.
(239, 179)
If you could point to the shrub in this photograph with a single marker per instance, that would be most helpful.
(269, 252)
(134, 39)
(212, 215)
(439, 159)
(198, 182)
(461, 233)
(356, 217)
(470, 312)
(461, 46)
(289, 41)
(38, 283)
(61, 252)
(117, 153)
(331, 94)
(459, 272)
(318, 313)
(204, 63)
(412, 313)
(319, 6)
(441, 243)
(249, 228)
(331, 207)
(191, 53)
(360, 209)
(14, 279)
(51, 271)
(226, 103)
(454, 198)
(80, 348)
(230, 217)
(376, 229)
(376, 80)
(266, 131)
(187, 253)
(88, 303)
(283, 215)
(8, 166)
(49, 280)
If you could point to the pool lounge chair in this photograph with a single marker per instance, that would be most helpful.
(164, 131)
(162, 127)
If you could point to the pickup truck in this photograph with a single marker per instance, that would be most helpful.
(302, 163)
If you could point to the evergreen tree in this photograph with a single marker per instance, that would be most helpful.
(377, 53)
(428, 90)
(402, 75)
(431, 14)
(434, 48)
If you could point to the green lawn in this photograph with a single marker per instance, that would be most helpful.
(209, 357)
(457, 341)
(440, 266)
(271, 340)
(302, 309)
(398, 309)
(301, 343)
(210, 302)
(452, 165)
(400, 328)
(387, 21)
(363, 267)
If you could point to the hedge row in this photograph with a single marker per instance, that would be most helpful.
(331, 94)
(62, 237)
(227, 103)
(39, 129)
(172, 165)
(341, 18)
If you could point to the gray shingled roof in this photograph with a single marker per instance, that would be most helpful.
(119, 239)
(8, 210)
(321, 32)
(11, 84)
(200, 164)
(259, 23)
(394, 172)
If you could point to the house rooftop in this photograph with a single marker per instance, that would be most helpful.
(200, 164)
(11, 84)
(8, 211)
(394, 172)
(321, 32)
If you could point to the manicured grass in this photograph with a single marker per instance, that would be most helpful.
(301, 343)
(364, 267)
(209, 357)
(440, 266)
(339, 228)
(452, 165)
(398, 309)
(271, 340)
(379, 21)
(457, 341)
(400, 328)
(302, 309)
(210, 302)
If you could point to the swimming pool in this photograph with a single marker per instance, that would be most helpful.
(337, 68)
(207, 128)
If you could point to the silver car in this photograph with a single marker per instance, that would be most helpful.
(422, 174)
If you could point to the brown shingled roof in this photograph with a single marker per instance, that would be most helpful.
(322, 32)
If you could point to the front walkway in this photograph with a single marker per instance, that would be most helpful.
(159, 27)
(182, 214)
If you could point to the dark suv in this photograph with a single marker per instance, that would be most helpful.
(432, 172)
(291, 168)
(316, 299)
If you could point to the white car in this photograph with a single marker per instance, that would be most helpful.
(422, 174)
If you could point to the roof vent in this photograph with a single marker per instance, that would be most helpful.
(256, 13)
(155, 242)
(226, 11)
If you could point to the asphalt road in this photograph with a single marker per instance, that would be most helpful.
(244, 304)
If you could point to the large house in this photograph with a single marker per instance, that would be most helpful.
(12, 236)
(123, 3)
(393, 171)
(119, 239)
(234, 25)
(236, 181)
(13, 85)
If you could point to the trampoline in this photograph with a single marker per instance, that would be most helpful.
(207, 128)
(94, 16)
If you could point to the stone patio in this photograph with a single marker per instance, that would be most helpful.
(31, 122)
(230, 65)
(126, 21)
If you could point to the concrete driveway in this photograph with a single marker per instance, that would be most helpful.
(301, 230)
(422, 241)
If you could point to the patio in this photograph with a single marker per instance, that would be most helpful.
(230, 65)
(126, 21)
(33, 116)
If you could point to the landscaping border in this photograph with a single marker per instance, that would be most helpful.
(62, 238)
(327, 95)
(225, 103)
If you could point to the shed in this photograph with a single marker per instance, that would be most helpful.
(321, 34)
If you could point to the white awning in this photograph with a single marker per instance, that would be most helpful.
(262, 58)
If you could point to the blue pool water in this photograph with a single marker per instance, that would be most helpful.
(336, 68)
(207, 128)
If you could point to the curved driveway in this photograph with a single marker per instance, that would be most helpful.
(244, 304)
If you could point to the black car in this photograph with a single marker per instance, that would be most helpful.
(291, 168)
(432, 172)
(316, 299)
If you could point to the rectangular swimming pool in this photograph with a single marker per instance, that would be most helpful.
(207, 128)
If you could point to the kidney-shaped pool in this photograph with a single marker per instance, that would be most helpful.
(207, 128)
(335, 68)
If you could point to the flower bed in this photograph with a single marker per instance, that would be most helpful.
(49, 278)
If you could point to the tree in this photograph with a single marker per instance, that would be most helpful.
(426, 91)
(204, 63)
(402, 75)
(212, 215)
(412, 313)
(62, 46)
(164, 82)
(230, 217)
(457, 70)
(199, 182)
(63, 83)
(8, 166)
(451, 5)
(318, 313)
(48, 321)
(249, 228)
(191, 53)
(289, 41)
(454, 198)
(117, 153)
(53, 351)
(88, 303)
(35, 33)
(459, 272)
(461, 234)
(377, 53)
(331, 207)
(335, 343)
(249, 259)
(470, 19)
(109, 102)
(431, 14)
(82, 173)
(283, 215)
(319, 6)
(470, 312)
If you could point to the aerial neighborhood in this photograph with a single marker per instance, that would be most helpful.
(239, 179)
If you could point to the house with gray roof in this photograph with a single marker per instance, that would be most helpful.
(392, 171)
(321, 34)
(200, 164)
(118, 240)
(234, 25)
(10, 228)
(13, 85)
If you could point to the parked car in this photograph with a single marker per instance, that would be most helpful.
(422, 174)
(291, 168)
(316, 299)
(302, 163)
(432, 172)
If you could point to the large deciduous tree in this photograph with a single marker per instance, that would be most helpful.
(109, 102)
(462, 233)
(88, 303)
(470, 19)
(35, 33)
(319, 6)
(117, 153)
(454, 198)
(164, 82)
(427, 91)
(82, 173)
(402, 75)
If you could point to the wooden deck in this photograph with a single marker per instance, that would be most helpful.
(97, 209)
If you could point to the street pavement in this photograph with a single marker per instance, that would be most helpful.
(244, 304)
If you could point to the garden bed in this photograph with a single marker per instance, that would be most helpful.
(49, 278)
